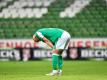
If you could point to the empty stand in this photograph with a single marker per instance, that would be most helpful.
(22, 21)
(25, 8)
(74, 8)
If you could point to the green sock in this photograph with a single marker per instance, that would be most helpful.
(60, 62)
(55, 61)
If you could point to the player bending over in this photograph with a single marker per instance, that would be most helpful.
(58, 40)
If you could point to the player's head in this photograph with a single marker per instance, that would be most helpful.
(35, 38)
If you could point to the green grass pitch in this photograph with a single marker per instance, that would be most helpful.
(36, 70)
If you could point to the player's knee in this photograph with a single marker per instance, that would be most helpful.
(57, 51)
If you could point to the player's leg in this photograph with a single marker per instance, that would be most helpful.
(61, 45)
(55, 61)
(60, 59)
(60, 64)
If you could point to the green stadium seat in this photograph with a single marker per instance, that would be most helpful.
(89, 22)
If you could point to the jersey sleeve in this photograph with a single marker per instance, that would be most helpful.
(39, 35)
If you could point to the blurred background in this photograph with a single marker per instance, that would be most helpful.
(85, 20)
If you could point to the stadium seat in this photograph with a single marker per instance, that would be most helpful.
(82, 18)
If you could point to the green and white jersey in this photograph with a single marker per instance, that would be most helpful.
(50, 33)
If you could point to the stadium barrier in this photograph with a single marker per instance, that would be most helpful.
(25, 49)
(26, 54)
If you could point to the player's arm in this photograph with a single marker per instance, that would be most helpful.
(48, 42)
(41, 37)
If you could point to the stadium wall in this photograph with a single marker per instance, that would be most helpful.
(79, 48)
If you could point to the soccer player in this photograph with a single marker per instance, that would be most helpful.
(58, 40)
